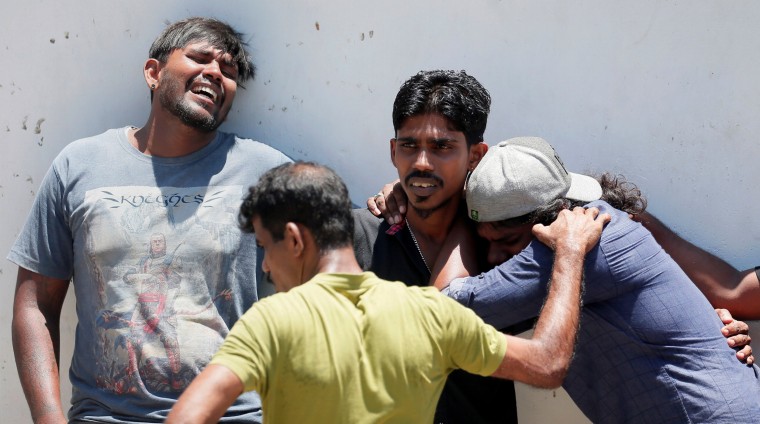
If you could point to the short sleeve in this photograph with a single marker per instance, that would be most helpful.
(250, 348)
(474, 346)
(45, 244)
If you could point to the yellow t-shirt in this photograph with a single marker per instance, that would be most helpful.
(356, 349)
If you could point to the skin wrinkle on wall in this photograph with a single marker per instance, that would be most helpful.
(662, 92)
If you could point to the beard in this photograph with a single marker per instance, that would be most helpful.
(424, 213)
(172, 99)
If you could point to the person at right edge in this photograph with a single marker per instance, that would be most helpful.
(723, 285)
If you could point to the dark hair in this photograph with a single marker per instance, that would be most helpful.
(454, 94)
(213, 31)
(305, 193)
(616, 191)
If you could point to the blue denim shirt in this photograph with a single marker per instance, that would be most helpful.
(649, 345)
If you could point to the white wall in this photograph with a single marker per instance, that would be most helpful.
(664, 92)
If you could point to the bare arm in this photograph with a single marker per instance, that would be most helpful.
(723, 285)
(544, 359)
(207, 397)
(36, 342)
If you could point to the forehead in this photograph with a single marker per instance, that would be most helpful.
(430, 124)
(206, 48)
(262, 234)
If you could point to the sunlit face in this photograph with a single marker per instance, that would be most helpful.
(278, 259)
(432, 160)
(505, 242)
(198, 85)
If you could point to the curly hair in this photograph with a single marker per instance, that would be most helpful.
(616, 190)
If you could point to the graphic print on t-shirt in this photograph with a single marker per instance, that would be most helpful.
(159, 258)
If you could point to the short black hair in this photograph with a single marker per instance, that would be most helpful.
(305, 193)
(213, 31)
(453, 94)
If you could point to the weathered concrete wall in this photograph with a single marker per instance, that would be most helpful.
(664, 92)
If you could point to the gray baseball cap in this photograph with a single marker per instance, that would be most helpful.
(519, 175)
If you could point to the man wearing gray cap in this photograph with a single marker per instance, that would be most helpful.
(650, 347)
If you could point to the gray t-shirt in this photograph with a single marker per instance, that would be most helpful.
(160, 269)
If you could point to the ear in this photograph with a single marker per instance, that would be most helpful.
(294, 239)
(393, 151)
(477, 151)
(151, 71)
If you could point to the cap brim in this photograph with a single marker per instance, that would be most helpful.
(584, 188)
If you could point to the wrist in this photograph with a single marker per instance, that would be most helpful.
(53, 417)
(571, 249)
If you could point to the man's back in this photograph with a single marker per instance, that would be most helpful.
(660, 328)
(391, 253)
(355, 348)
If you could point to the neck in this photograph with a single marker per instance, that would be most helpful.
(338, 261)
(434, 226)
(165, 135)
(430, 230)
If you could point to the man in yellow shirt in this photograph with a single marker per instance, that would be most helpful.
(339, 345)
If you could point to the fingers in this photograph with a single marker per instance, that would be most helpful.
(392, 214)
(579, 210)
(579, 228)
(734, 327)
(736, 336)
(740, 341)
(725, 315)
(745, 355)
(399, 196)
(385, 207)
(599, 218)
(372, 205)
(384, 204)
(593, 213)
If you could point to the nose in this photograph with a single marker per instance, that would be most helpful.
(213, 71)
(422, 161)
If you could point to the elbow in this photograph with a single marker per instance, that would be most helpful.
(550, 369)
(557, 353)
(539, 364)
(553, 375)
(556, 377)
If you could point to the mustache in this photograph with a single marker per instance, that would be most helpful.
(423, 174)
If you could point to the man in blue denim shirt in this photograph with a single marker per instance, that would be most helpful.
(649, 347)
